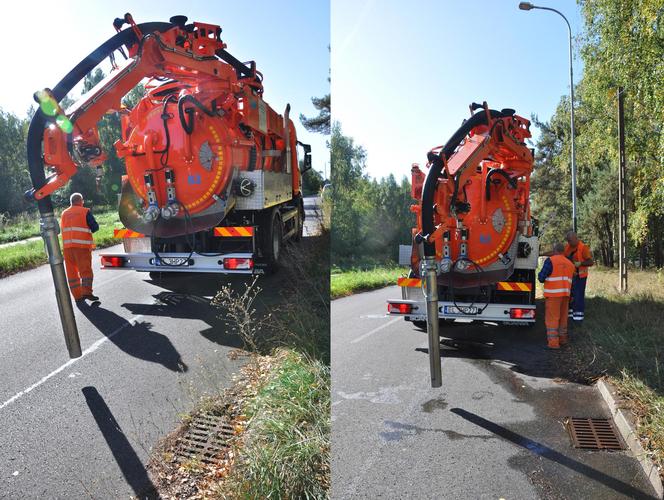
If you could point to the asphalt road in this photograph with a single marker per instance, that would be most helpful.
(83, 428)
(493, 430)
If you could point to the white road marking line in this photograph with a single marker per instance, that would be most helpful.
(87, 351)
(364, 336)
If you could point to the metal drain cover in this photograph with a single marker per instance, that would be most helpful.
(593, 433)
(205, 439)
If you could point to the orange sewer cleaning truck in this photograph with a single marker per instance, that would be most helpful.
(212, 178)
(475, 248)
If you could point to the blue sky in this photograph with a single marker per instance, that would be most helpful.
(288, 40)
(404, 73)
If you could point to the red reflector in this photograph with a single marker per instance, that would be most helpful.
(235, 263)
(112, 261)
(399, 308)
(519, 313)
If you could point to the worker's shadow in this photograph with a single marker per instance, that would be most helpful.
(128, 461)
(136, 339)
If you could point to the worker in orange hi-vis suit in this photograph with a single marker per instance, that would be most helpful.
(580, 255)
(78, 224)
(556, 274)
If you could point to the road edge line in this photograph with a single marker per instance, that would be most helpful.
(630, 436)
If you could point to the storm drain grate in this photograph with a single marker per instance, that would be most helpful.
(593, 433)
(206, 438)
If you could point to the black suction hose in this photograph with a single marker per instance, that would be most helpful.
(497, 171)
(38, 122)
(429, 189)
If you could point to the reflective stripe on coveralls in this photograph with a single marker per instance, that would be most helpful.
(75, 230)
(557, 288)
(559, 282)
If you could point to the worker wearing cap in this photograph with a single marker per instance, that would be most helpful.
(580, 255)
(556, 274)
(78, 224)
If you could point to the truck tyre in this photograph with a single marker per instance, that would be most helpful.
(272, 240)
(299, 221)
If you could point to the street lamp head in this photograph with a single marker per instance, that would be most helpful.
(526, 5)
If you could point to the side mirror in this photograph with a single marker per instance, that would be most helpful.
(306, 159)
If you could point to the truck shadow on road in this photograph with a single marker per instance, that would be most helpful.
(614, 336)
(188, 297)
(520, 347)
(128, 461)
(136, 339)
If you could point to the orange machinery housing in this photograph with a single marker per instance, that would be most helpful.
(481, 203)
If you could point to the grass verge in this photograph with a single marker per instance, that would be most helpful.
(24, 256)
(279, 409)
(26, 225)
(280, 405)
(285, 453)
(622, 338)
(344, 282)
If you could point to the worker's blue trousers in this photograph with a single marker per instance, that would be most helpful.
(577, 305)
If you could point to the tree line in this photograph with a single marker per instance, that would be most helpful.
(370, 217)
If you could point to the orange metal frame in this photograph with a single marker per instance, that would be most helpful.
(188, 57)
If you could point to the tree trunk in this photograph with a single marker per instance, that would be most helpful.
(608, 259)
(658, 242)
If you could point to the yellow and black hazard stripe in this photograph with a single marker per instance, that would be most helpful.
(234, 232)
(409, 282)
(126, 233)
(514, 286)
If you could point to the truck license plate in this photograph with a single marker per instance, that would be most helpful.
(461, 310)
(171, 261)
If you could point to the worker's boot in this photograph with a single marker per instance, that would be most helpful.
(552, 339)
(91, 297)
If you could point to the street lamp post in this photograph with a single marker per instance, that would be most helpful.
(530, 6)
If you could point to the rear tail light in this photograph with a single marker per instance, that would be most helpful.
(235, 263)
(399, 308)
(112, 261)
(519, 313)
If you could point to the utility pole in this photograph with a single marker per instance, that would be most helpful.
(622, 189)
